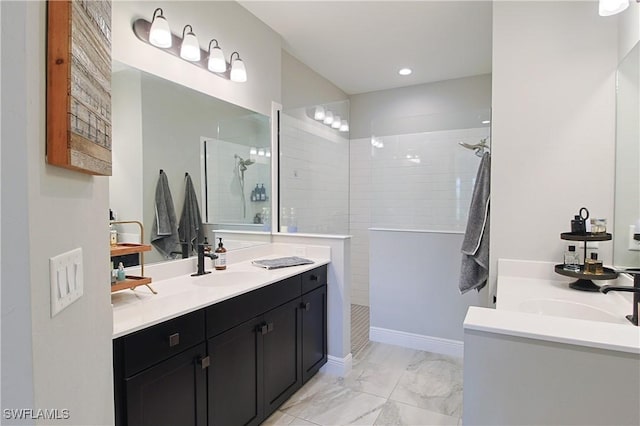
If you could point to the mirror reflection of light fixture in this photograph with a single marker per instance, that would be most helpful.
(238, 70)
(328, 117)
(160, 34)
(344, 126)
(267, 153)
(253, 151)
(190, 48)
(216, 62)
(261, 152)
(611, 7)
(336, 122)
(319, 113)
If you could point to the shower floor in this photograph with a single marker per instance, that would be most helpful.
(359, 328)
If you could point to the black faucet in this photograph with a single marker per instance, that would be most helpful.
(201, 256)
(635, 290)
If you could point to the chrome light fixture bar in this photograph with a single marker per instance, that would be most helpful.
(158, 34)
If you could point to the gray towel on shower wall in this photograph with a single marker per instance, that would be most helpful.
(164, 232)
(190, 229)
(474, 270)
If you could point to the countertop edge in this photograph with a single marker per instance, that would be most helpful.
(286, 273)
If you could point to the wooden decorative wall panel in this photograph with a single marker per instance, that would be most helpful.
(79, 85)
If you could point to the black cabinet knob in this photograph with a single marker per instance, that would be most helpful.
(262, 328)
(174, 340)
(313, 277)
(269, 327)
(306, 306)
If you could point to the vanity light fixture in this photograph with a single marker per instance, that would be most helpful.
(253, 151)
(337, 122)
(238, 70)
(611, 7)
(160, 34)
(190, 49)
(344, 126)
(328, 117)
(319, 113)
(216, 62)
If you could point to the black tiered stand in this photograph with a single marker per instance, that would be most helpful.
(584, 281)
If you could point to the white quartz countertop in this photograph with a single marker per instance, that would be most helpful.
(137, 309)
(533, 302)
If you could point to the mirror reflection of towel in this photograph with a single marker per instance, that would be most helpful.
(474, 270)
(190, 229)
(164, 232)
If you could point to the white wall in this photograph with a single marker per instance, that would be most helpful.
(553, 129)
(68, 365)
(470, 93)
(228, 22)
(628, 29)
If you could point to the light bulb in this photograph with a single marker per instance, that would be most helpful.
(344, 126)
(190, 49)
(328, 117)
(611, 7)
(336, 122)
(238, 70)
(216, 62)
(319, 113)
(160, 34)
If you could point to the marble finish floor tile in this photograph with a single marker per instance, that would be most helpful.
(433, 382)
(333, 404)
(279, 418)
(375, 379)
(397, 413)
(388, 355)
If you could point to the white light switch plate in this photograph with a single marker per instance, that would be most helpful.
(66, 278)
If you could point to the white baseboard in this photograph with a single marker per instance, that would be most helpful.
(417, 341)
(337, 366)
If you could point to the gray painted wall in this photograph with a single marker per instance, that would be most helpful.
(67, 364)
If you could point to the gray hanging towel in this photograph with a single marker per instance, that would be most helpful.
(474, 271)
(190, 229)
(164, 232)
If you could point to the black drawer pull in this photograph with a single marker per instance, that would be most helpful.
(306, 306)
(262, 328)
(174, 340)
(204, 362)
(313, 277)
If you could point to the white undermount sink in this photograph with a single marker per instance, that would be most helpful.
(568, 309)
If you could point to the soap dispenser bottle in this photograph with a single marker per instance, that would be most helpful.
(221, 262)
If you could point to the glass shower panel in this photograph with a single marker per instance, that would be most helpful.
(422, 178)
(314, 171)
(238, 173)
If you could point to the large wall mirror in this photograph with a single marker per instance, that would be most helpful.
(225, 149)
(627, 189)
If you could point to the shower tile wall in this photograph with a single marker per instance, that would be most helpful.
(314, 175)
(421, 181)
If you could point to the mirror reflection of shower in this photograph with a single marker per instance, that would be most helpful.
(240, 168)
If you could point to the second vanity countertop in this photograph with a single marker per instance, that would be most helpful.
(139, 309)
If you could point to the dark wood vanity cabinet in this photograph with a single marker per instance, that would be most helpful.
(232, 363)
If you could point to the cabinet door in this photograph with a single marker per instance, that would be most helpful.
(282, 354)
(234, 376)
(170, 393)
(314, 331)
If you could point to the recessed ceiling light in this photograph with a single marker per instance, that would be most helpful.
(486, 122)
(405, 71)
